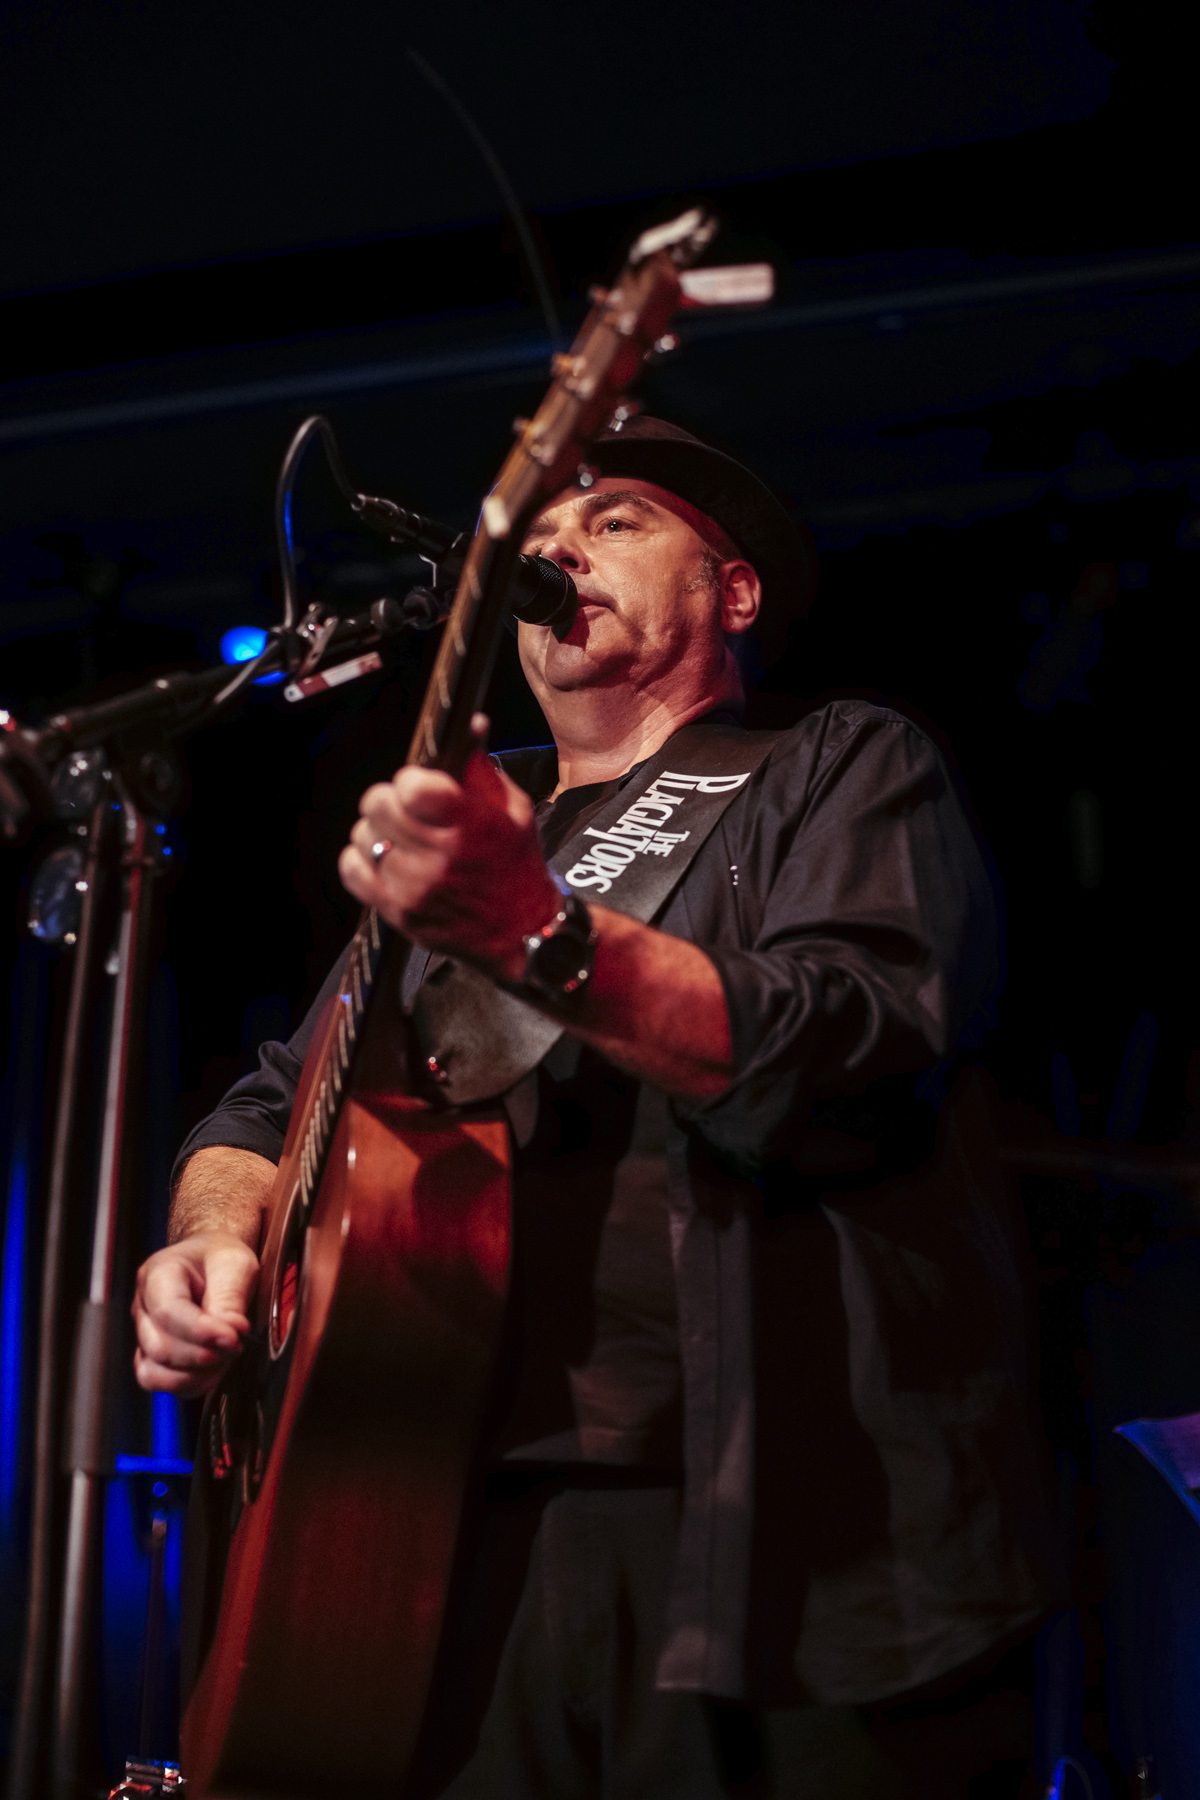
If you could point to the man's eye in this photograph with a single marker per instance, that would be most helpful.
(616, 525)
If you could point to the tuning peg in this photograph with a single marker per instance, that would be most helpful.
(572, 372)
(733, 284)
(563, 364)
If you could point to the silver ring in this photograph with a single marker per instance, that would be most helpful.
(379, 851)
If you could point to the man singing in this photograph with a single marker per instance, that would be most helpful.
(765, 1383)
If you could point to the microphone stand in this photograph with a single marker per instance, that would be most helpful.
(134, 780)
(89, 1458)
(28, 1711)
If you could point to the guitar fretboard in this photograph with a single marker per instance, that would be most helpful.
(341, 1041)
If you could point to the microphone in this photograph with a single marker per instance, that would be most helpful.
(540, 593)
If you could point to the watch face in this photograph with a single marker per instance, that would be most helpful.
(559, 959)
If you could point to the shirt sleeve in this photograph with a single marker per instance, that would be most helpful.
(254, 1113)
(874, 942)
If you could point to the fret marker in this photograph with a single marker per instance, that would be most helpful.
(496, 517)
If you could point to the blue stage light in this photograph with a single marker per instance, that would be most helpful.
(1058, 1781)
(153, 1465)
(242, 644)
(159, 1489)
(12, 1265)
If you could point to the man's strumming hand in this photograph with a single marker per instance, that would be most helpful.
(191, 1310)
(192, 1304)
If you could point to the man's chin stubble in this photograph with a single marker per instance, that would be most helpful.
(568, 668)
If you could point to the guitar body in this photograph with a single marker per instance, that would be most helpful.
(329, 1479)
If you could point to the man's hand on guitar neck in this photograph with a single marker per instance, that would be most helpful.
(463, 874)
(191, 1307)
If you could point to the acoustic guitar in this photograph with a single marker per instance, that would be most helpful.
(330, 1473)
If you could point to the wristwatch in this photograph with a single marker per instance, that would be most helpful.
(559, 957)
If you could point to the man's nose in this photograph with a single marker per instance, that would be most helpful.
(567, 551)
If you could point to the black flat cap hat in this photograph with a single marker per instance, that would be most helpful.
(770, 537)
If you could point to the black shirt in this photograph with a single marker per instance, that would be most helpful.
(845, 904)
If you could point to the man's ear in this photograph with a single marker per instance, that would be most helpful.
(741, 596)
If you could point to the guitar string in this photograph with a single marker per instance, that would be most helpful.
(328, 1090)
(366, 947)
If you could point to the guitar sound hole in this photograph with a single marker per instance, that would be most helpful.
(285, 1290)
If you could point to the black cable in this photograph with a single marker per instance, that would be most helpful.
(535, 267)
(285, 483)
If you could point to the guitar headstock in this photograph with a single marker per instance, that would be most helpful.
(591, 379)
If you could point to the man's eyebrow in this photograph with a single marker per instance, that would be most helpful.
(591, 504)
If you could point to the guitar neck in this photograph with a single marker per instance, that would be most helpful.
(548, 456)
(465, 659)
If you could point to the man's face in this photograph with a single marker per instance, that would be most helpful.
(650, 605)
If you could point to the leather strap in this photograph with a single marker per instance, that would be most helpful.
(632, 855)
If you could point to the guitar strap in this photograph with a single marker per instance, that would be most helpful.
(632, 855)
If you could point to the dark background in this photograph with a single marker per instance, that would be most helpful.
(977, 382)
